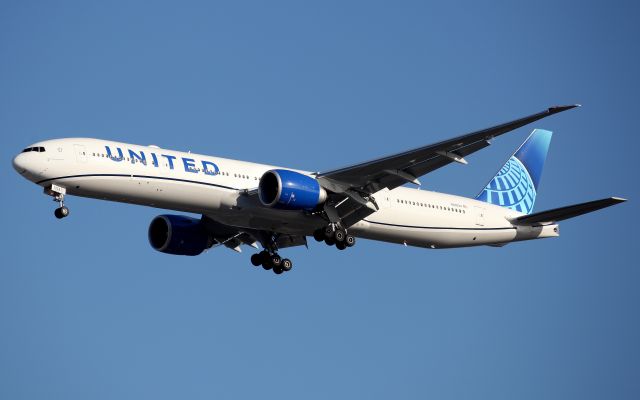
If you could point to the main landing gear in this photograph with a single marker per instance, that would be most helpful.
(271, 261)
(334, 235)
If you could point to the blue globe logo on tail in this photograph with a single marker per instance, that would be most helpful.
(516, 184)
(512, 187)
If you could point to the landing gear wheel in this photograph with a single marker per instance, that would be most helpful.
(277, 270)
(318, 235)
(256, 259)
(61, 212)
(341, 246)
(330, 241)
(265, 259)
(339, 235)
(328, 232)
(286, 265)
(276, 260)
(350, 240)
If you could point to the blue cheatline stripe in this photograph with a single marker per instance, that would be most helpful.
(137, 176)
(438, 227)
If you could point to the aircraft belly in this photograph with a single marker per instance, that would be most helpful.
(432, 231)
(150, 192)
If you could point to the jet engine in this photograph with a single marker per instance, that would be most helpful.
(290, 190)
(179, 235)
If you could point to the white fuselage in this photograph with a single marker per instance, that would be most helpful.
(213, 186)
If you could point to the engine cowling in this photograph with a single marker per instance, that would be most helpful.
(290, 190)
(179, 235)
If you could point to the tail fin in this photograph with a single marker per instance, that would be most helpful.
(516, 184)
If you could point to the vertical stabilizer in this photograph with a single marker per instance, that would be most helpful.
(516, 184)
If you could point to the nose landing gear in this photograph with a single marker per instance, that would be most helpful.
(58, 192)
(61, 212)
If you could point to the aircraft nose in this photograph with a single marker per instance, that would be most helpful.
(20, 163)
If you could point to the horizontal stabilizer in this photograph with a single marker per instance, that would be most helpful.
(562, 213)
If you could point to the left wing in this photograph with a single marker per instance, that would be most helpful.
(353, 186)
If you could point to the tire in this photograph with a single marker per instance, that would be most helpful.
(350, 240)
(330, 241)
(267, 265)
(286, 265)
(276, 261)
(318, 235)
(256, 259)
(328, 232)
(58, 214)
(339, 236)
(341, 245)
(277, 270)
(64, 211)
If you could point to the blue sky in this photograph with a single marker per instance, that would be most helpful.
(89, 310)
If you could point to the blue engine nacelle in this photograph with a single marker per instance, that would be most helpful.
(179, 235)
(289, 190)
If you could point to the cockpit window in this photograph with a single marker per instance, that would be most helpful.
(38, 149)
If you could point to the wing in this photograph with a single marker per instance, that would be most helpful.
(233, 237)
(354, 185)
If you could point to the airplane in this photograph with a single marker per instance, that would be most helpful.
(244, 203)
